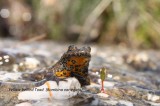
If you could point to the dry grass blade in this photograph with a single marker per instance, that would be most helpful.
(93, 16)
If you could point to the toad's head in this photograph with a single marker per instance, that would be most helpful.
(74, 63)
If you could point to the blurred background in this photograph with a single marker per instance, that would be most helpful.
(131, 23)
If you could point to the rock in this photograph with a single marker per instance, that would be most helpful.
(126, 103)
(125, 84)
(111, 102)
(78, 100)
(154, 104)
(153, 98)
(93, 88)
(10, 76)
(140, 61)
(24, 104)
(65, 90)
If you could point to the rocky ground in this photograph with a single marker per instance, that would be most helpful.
(132, 75)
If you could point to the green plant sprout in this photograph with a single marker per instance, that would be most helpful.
(103, 76)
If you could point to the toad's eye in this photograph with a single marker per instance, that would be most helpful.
(73, 61)
(71, 48)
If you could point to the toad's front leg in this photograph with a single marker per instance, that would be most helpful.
(56, 79)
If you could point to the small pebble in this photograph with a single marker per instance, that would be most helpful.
(103, 95)
(153, 98)
(31, 63)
